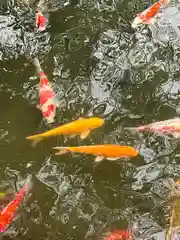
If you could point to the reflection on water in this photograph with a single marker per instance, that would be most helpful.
(98, 66)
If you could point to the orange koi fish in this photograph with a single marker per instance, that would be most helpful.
(118, 234)
(47, 96)
(82, 127)
(171, 126)
(149, 15)
(8, 213)
(108, 151)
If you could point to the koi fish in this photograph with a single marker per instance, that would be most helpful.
(149, 15)
(82, 127)
(171, 126)
(118, 235)
(41, 21)
(7, 214)
(108, 151)
(47, 96)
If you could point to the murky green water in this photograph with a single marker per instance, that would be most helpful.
(99, 67)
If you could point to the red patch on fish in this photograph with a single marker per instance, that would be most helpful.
(118, 235)
(47, 96)
(7, 214)
(41, 21)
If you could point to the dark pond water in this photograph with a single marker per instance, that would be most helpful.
(99, 67)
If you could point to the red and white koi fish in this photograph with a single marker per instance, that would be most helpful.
(41, 20)
(47, 96)
(149, 15)
(118, 234)
(171, 126)
(7, 214)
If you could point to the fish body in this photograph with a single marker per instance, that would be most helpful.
(118, 235)
(7, 214)
(148, 16)
(82, 127)
(108, 151)
(171, 126)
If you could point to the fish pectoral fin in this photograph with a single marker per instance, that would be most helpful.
(112, 159)
(61, 150)
(84, 134)
(99, 158)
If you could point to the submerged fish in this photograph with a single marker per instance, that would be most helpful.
(46, 94)
(118, 234)
(149, 15)
(82, 127)
(108, 151)
(7, 214)
(171, 126)
(174, 224)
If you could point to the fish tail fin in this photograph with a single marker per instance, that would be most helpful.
(136, 129)
(28, 183)
(62, 150)
(132, 129)
(37, 65)
(35, 139)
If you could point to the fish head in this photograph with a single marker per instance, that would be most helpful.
(138, 20)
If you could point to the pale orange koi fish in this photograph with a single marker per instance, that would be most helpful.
(171, 126)
(8, 213)
(149, 15)
(82, 127)
(108, 151)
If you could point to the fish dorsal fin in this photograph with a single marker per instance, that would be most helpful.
(99, 158)
(85, 133)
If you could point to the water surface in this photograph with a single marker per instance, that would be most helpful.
(99, 67)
